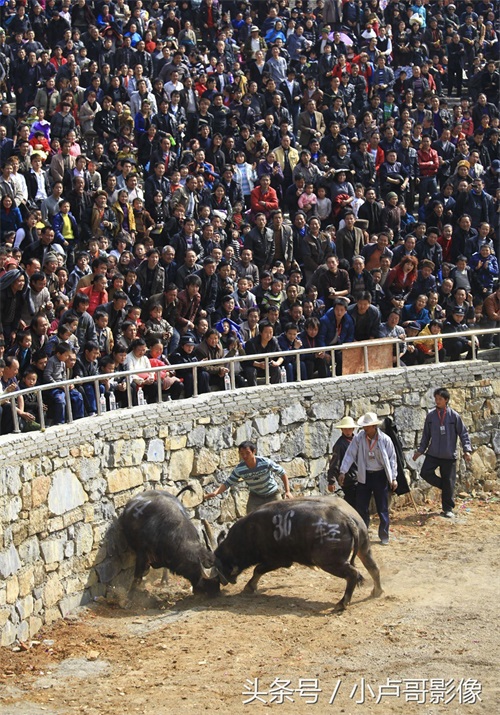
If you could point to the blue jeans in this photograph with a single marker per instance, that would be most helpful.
(428, 185)
(174, 342)
(376, 484)
(89, 390)
(57, 399)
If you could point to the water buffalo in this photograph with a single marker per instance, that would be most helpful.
(159, 530)
(317, 531)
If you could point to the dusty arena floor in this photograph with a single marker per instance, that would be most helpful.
(430, 645)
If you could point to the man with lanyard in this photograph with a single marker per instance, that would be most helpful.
(347, 427)
(375, 456)
(439, 444)
(259, 473)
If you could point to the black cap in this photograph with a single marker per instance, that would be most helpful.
(187, 340)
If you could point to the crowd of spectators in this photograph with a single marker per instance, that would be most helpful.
(190, 180)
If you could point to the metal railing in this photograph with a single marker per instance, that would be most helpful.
(230, 362)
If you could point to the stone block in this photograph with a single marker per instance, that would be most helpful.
(26, 580)
(293, 413)
(127, 452)
(409, 418)
(484, 461)
(204, 420)
(108, 570)
(496, 441)
(10, 476)
(327, 409)
(53, 550)
(228, 509)
(176, 442)
(52, 591)
(72, 517)
(68, 604)
(315, 439)
(240, 497)
(123, 479)
(218, 438)
(243, 432)
(293, 443)
(52, 615)
(84, 539)
(89, 469)
(295, 468)
(151, 471)
(24, 607)
(269, 444)
(177, 428)
(34, 624)
(229, 458)
(318, 467)
(10, 512)
(196, 438)
(8, 634)
(156, 451)
(66, 492)
(205, 462)
(4, 616)
(11, 589)
(55, 524)
(267, 424)
(181, 464)
(9, 561)
(69, 550)
(26, 496)
(192, 497)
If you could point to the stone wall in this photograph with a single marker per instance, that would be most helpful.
(60, 491)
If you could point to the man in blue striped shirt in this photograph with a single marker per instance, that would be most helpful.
(260, 474)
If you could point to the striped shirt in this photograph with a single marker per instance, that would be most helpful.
(260, 479)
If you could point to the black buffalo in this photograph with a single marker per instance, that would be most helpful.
(319, 531)
(159, 530)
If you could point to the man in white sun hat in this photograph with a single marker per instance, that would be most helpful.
(347, 427)
(375, 457)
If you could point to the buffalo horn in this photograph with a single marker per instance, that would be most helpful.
(208, 531)
(208, 573)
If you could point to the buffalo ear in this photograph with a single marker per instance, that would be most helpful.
(221, 536)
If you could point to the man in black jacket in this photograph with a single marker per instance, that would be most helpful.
(366, 317)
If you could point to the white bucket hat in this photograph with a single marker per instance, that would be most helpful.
(346, 423)
(368, 420)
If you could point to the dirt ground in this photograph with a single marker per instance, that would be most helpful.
(429, 645)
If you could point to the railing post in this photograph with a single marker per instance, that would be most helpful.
(266, 361)
(299, 376)
(195, 382)
(365, 358)
(69, 408)
(232, 375)
(40, 409)
(97, 397)
(159, 387)
(128, 382)
(15, 418)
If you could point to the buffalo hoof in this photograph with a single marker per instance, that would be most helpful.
(376, 593)
(250, 588)
(340, 606)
